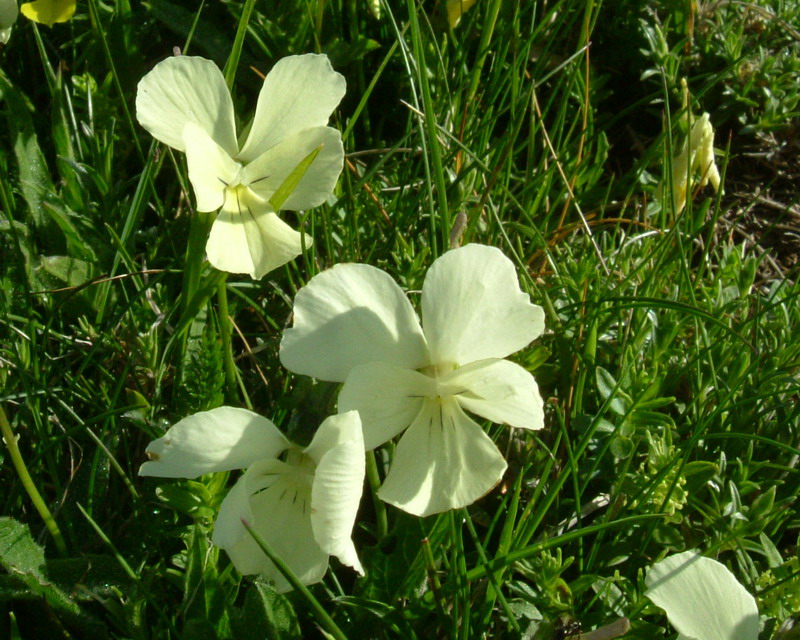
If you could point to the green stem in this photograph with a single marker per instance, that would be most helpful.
(483, 48)
(199, 228)
(225, 331)
(324, 619)
(492, 577)
(429, 121)
(95, 15)
(380, 506)
(238, 42)
(28, 484)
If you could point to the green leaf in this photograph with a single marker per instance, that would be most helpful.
(34, 177)
(24, 559)
(71, 271)
(189, 497)
(762, 507)
(622, 447)
(609, 389)
(293, 179)
(19, 554)
(266, 614)
(770, 551)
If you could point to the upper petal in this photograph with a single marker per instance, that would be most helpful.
(498, 390)
(268, 171)
(211, 169)
(337, 486)
(353, 314)
(473, 308)
(702, 598)
(255, 241)
(281, 514)
(443, 461)
(388, 399)
(299, 92)
(218, 440)
(185, 89)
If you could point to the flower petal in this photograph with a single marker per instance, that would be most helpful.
(211, 169)
(185, 89)
(218, 440)
(298, 93)
(255, 241)
(281, 514)
(387, 398)
(268, 171)
(498, 390)
(49, 11)
(353, 314)
(473, 308)
(337, 486)
(443, 461)
(8, 16)
(702, 598)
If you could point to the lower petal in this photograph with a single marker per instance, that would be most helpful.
(255, 241)
(281, 515)
(443, 461)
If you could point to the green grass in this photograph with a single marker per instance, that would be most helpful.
(670, 365)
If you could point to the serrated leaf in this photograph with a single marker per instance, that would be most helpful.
(266, 614)
(22, 557)
(34, 177)
(188, 497)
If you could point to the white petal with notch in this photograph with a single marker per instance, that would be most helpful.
(255, 241)
(443, 461)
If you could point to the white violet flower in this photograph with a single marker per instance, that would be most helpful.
(702, 598)
(185, 103)
(303, 502)
(353, 324)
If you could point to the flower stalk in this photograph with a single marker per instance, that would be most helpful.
(28, 484)
(225, 332)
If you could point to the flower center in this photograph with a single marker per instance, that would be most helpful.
(439, 390)
(240, 198)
